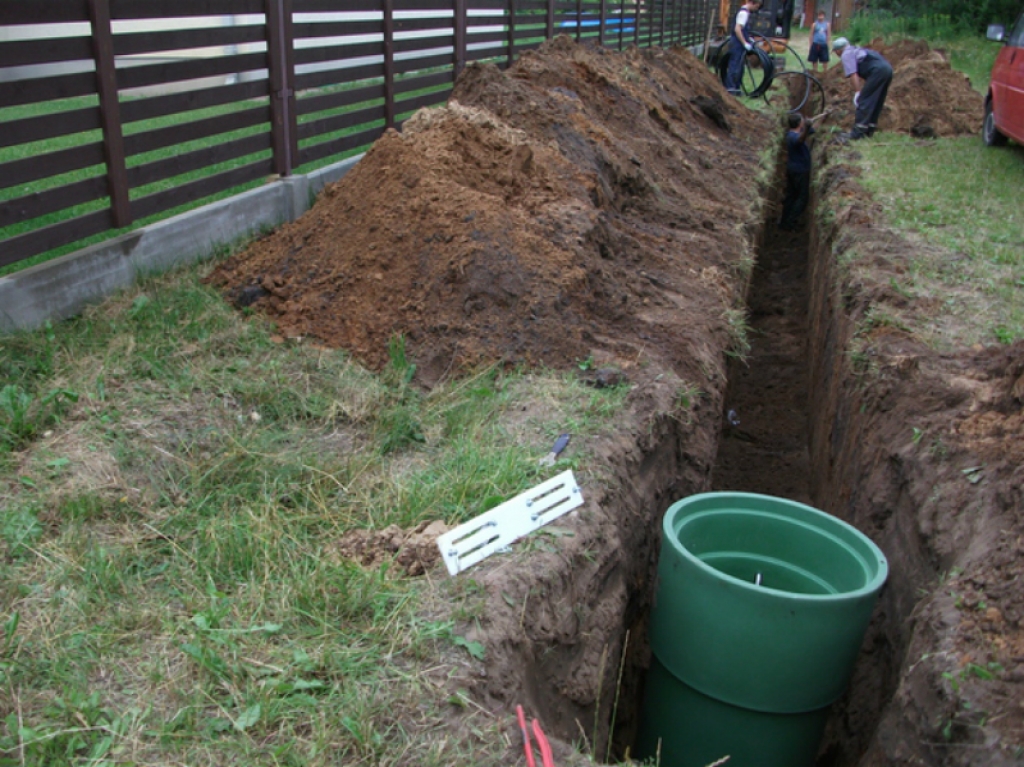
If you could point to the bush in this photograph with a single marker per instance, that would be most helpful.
(974, 16)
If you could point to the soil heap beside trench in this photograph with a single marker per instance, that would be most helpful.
(927, 97)
(583, 204)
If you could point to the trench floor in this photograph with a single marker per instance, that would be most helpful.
(763, 446)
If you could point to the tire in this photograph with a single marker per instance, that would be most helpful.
(989, 132)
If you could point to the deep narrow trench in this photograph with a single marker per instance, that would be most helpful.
(764, 441)
(765, 438)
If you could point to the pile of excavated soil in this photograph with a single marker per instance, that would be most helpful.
(582, 204)
(927, 98)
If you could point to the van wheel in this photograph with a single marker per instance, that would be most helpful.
(989, 132)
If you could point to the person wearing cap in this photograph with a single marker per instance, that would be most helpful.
(740, 44)
(871, 75)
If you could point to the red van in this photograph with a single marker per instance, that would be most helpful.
(1004, 103)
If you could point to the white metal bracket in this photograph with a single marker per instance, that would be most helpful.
(470, 542)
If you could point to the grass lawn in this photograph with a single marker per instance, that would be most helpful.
(176, 480)
(176, 483)
(963, 197)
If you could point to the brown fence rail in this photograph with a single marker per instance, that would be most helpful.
(115, 112)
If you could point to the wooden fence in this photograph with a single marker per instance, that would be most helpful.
(116, 112)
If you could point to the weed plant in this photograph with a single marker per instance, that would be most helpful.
(177, 482)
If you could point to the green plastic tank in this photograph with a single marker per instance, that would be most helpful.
(760, 610)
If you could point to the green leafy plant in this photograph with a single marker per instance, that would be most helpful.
(20, 528)
(474, 648)
(23, 415)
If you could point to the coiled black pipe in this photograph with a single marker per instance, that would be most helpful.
(768, 72)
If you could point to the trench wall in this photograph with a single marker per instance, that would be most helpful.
(863, 475)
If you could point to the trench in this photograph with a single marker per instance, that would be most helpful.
(767, 428)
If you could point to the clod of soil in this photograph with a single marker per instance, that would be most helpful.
(414, 551)
(582, 204)
(927, 98)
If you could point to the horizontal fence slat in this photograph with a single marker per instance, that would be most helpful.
(133, 110)
(427, 62)
(349, 143)
(196, 69)
(331, 6)
(41, 127)
(314, 29)
(414, 45)
(179, 164)
(20, 53)
(193, 191)
(29, 244)
(529, 22)
(425, 81)
(486, 54)
(308, 81)
(49, 164)
(475, 38)
(48, 201)
(425, 100)
(137, 43)
(55, 12)
(339, 99)
(428, 24)
(423, 5)
(36, 90)
(339, 122)
(148, 141)
(160, 9)
(328, 53)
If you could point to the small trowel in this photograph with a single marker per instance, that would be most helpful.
(556, 449)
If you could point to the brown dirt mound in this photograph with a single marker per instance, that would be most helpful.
(563, 209)
(413, 551)
(927, 98)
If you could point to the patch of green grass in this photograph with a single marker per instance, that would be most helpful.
(965, 198)
(170, 571)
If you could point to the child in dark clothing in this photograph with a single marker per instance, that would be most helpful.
(798, 170)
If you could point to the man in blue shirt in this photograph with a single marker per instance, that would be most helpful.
(798, 171)
(740, 44)
(871, 75)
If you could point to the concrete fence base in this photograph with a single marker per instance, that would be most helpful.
(63, 287)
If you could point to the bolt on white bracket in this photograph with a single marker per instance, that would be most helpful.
(470, 542)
